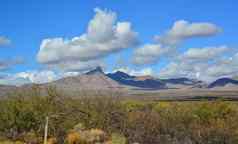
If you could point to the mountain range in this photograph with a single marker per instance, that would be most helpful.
(98, 80)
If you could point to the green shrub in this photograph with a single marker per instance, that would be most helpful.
(23, 113)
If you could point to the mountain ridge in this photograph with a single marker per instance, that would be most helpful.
(223, 82)
(96, 79)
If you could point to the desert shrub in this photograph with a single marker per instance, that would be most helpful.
(74, 138)
(52, 140)
(23, 113)
(18, 115)
(199, 122)
(26, 111)
(143, 127)
(118, 139)
(106, 114)
(130, 105)
(91, 136)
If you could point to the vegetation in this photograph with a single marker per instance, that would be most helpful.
(102, 119)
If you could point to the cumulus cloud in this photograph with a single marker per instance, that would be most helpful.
(4, 41)
(142, 72)
(6, 64)
(70, 74)
(104, 36)
(27, 77)
(166, 45)
(204, 54)
(79, 66)
(183, 69)
(224, 67)
(33, 76)
(11, 79)
(182, 30)
(206, 64)
(44, 76)
(148, 54)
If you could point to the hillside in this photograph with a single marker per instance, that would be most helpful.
(223, 82)
(4, 89)
(140, 82)
(92, 80)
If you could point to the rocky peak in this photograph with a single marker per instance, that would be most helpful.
(97, 70)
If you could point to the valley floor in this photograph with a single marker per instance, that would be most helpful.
(185, 94)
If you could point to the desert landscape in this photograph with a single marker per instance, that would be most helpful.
(138, 87)
(118, 72)
(118, 108)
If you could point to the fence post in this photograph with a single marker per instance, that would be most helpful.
(46, 130)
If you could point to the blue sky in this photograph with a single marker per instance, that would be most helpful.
(27, 23)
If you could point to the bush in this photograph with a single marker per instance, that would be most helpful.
(91, 136)
(98, 118)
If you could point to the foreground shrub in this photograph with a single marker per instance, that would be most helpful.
(92, 136)
(110, 119)
(25, 112)
(118, 139)
(74, 138)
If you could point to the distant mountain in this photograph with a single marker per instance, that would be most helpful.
(4, 89)
(96, 79)
(140, 82)
(155, 83)
(92, 80)
(143, 77)
(223, 82)
(97, 70)
(120, 76)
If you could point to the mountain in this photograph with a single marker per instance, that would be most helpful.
(92, 80)
(150, 82)
(118, 76)
(143, 77)
(96, 79)
(223, 82)
(4, 89)
(134, 81)
(97, 70)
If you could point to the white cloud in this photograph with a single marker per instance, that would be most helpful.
(224, 67)
(206, 64)
(12, 80)
(6, 64)
(104, 36)
(167, 44)
(142, 72)
(79, 66)
(204, 54)
(183, 69)
(33, 76)
(183, 30)
(4, 41)
(44, 76)
(148, 54)
(28, 77)
(70, 74)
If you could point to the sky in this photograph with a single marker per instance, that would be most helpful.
(41, 41)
